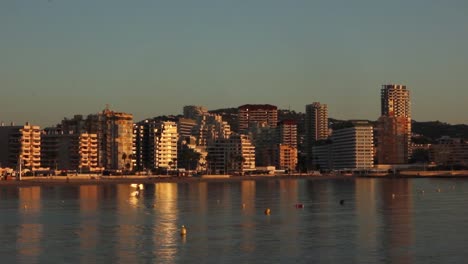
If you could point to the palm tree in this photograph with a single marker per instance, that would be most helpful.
(124, 158)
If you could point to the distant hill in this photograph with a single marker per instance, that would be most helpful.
(429, 131)
(436, 129)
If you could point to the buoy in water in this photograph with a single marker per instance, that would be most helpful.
(393, 196)
(438, 190)
(267, 211)
(299, 205)
(243, 205)
(342, 202)
(183, 231)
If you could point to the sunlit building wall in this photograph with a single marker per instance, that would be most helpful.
(20, 141)
(253, 113)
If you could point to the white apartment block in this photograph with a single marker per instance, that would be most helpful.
(353, 147)
(165, 144)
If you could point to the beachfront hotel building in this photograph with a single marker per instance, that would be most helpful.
(70, 152)
(165, 139)
(350, 147)
(233, 155)
(257, 113)
(353, 147)
(20, 143)
(156, 144)
(394, 125)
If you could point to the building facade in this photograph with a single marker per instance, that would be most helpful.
(287, 133)
(449, 151)
(253, 113)
(316, 128)
(286, 157)
(349, 148)
(353, 147)
(394, 125)
(233, 155)
(20, 143)
(70, 152)
(115, 136)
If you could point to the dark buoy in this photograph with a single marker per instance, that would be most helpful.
(299, 205)
(342, 202)
(267, 211)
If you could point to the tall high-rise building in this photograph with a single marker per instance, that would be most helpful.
(20, 143)
(115, 137)
(253, 113)
(394, 125)
(316, 127)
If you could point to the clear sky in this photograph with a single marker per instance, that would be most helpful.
(151, 57)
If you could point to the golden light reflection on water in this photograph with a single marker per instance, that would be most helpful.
(127, 208)
(88, 195)
(248, 208)
(366, 213)
(288, 201)
(399, 237)
(166, 232)
(29, 234)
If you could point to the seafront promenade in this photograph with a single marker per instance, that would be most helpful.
(93, 179)
(98, 180)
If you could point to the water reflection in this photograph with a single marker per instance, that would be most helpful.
(30, 232)
(367, 217)
(88, 200)
(104, 223)
(166, 233)
(397, 234)
(248, 211)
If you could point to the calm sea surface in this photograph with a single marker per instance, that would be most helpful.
(226, 222)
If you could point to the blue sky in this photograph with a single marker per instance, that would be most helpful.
(149, 57)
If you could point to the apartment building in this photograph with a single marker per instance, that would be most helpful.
(257, 113)
(20, 143)
(233, 155)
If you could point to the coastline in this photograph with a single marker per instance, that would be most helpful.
(129, 179)
(111, 180)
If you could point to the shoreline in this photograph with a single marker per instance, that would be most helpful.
(112, 180)
(129, 179)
